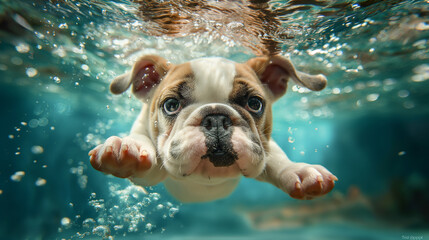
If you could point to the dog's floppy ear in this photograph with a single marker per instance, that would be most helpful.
(274, 72)
(147, 72)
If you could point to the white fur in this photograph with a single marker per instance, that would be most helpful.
(250, 164)
(192, 143)
(214, 79)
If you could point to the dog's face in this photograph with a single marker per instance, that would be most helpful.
(211, 119)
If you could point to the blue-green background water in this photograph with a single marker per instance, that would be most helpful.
(369, 126)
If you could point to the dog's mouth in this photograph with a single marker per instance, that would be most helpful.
(206, 171)
(221, 158)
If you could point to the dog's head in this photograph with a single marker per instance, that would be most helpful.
(211, 118)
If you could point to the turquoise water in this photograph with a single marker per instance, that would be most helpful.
(369, 126)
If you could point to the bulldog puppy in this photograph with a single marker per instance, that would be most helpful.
(204, 124)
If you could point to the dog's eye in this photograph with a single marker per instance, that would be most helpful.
(172, 106)
(255, 105)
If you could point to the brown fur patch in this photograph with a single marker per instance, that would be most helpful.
(247, 84)
(176, 75)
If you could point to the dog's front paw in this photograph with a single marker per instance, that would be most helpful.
(122, 158)
(305, 181)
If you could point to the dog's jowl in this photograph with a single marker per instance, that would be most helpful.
(204, 124)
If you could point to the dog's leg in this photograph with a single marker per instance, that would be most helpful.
(299, 180)
(131, 157)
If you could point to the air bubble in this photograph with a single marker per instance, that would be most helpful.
(102, 231)
(31, 72)
(372, 97)
(56, 79)
(40, 182)
(43, 122)
(89, 223)
(389, 81)
(33, 123)
(159, 207)
(98, 205)
(421, 73)
(403, 93)
(84, 67)
(65, 222)
(373, 83)
(146, 201)
(118, 227)
(63, 26)
(135, 195)
(17, 176)
(336, 91)
(22, 47)
(348, 89)
(39, 35)
(173, 211)
(37, 149)
(60, 51)
(149, 226)
(155, 196)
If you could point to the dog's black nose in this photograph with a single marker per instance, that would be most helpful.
(218, 131)
(216, 123)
